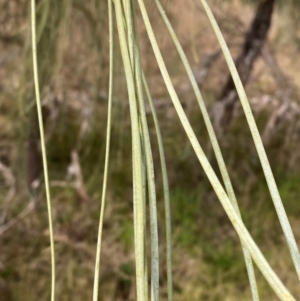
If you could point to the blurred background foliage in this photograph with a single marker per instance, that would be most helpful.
(73, 63)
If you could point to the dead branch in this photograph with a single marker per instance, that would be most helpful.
(10, 181)
(74, 170)
(18, 218)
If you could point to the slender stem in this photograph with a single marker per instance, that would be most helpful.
(107, 150)
(43, 146)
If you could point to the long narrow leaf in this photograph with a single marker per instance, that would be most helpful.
(214, 142)
(256, 254)
(151, 182)
(166, 193)
(293, 248)
(139, 216)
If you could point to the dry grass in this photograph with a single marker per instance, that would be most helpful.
(213, 268)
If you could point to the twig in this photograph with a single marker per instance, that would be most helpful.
(75, 170)
(11, 182)
(18, 218)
